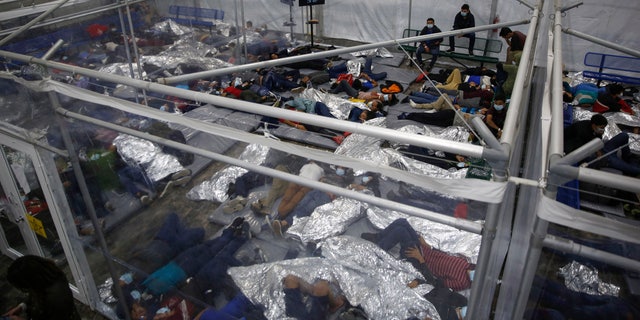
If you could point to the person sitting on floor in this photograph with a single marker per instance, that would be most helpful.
(295, 192)
(438, 268)
(581, 132)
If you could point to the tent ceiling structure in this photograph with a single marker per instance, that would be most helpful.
(504, 155)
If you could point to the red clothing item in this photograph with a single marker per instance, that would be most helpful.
(452, 270)
(95, 30)
(233, 91)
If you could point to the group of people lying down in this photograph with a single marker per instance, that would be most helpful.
(179, 275)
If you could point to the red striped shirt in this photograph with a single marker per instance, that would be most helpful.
(452, 270)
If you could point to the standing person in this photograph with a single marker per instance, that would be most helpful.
(515, 40)
(464, 19)
(429, 46)
(49, 296)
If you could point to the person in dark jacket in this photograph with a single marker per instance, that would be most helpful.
(464, 19)
(429, 46)
(581, 132)
(49, 295)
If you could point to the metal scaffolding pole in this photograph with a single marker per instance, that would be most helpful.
(330, 53)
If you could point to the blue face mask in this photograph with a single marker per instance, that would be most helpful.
(429, 25)
(462, 13)
(498, 107)
(366, 179)
(340, 172)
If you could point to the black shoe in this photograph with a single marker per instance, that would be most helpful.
(237, 223)
(471, 53)
(373, 237)
(451, 50)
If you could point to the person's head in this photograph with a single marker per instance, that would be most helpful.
(430, 23)
(249, 24)
(615, 89)
(374, 105)
(506, 33)
(464, 10)
(598, 123)
(499, 102)
(33, 273)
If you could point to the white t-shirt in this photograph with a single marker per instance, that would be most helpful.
(311, 171)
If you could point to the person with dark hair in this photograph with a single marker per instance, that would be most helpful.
(429, 46)
(496, 115)
(438, 268)
(609, 100)
(49, 295)
(581, 132)
(515, 40)
(320, 303)
(463, 20)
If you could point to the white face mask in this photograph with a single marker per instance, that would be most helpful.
(429, 25)
(366, 179)
(462, 13)
(498, 107)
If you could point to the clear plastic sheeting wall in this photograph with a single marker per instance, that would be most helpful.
(216, 195)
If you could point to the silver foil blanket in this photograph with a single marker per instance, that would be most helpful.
(147, 155)
(439, 236)
(358, 269)
(215, 189)
(581, 278)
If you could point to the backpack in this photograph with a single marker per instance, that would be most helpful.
(391, 86)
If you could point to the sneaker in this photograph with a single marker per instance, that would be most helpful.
(471, 54)
(369, 236)
(298, 89)
(254, 225)
(412, 104)
(277, 228)
(236, 223)
(451, 50)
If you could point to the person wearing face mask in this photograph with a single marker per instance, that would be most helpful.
(581, 132)
(429, 46)
(496, 115)
(463, 20)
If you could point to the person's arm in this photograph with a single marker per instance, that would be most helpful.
(493, 125)
(15, 311)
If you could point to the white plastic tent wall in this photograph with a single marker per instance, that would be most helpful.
(381, 20)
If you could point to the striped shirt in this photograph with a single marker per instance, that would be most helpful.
(452, 270)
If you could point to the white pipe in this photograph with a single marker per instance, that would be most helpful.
(347, 126)
(76, 15)
(605, 43)
(461, 224)
(31, 23)
(329, 53)
(591, 253)
(510, 123)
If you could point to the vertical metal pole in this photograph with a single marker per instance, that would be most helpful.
(135, 50)
(410, 8)
(293, 38)
(91, 211)
(244, 31)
